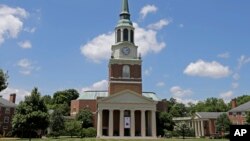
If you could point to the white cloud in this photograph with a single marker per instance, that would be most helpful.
(148, 71)
(148, 9)
(226, 96)
(25, 44)
(207, 69)
(30, 30)
(224, 55)
(11, 22)
(27, 67)
(99, 48)
(178, 92)
(186, 101)
(20, 94)
(160, 84)
(100, 85)
(243, 60)
(235, 85)
(160, 24)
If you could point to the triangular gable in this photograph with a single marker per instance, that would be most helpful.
(126, 96)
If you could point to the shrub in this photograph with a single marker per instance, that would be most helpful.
(87, 132)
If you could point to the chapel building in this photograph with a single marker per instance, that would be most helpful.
(124, 110)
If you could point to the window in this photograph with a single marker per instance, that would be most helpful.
(6, 119)
(7, 110)
(125, 35)
(126, 71)
(234, 113)
(119, 35)
(132, 36)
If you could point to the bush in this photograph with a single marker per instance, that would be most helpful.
(87, 133)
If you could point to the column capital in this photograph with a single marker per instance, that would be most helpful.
(99, 110)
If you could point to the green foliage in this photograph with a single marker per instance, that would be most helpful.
(31, 114)
(3, 80)
(223, 123)
(65, 96)
(64, 108)
(72, 127)
(242, 99)
(56, 123)
(248, 118)
(178, 110)
(86, 118)
(164, 122)
(211, 105)
(183, 130)
(88, 132)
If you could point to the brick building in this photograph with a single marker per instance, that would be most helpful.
(122, 110)
(7, 110)
(237, 114)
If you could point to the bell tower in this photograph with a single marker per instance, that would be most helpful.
(125, 64)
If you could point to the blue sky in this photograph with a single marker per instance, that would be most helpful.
(191, 50)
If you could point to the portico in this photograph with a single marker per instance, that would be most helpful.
(133, 117)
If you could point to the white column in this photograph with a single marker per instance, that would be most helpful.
(202, 128)
(132, 128)
(153, 123)
(99, 123)
(121, 123)
(199, 128)
(196, 128)
(111, 123)
(143, 126)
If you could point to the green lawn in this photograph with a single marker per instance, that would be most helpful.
(92, 139)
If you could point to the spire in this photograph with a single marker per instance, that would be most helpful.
(125, 15)
(125, 7)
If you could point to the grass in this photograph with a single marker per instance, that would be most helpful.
(93, 139)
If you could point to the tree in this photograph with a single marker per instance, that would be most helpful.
(164, 122)
(242, 99)
(65, 96)
(31, 115)
(211, 105)
(223, 123)
(85, 116)
(56, 123)
(3, 80)
(183, 130)
(72, 127)
(178, 110)
(248, 118)
(64, 108)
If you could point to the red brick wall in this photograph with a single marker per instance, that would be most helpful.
(118, 87)
(77, 105)
(2, 115)
(115, 71)
(162, 106)
(237, 118)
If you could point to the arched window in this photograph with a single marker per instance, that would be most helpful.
(125, 35)
(126, 71)
(132, 36)
(119, 35)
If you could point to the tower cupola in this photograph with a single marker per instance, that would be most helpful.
(124, 28)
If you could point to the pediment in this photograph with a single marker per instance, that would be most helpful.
(127, 97)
